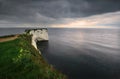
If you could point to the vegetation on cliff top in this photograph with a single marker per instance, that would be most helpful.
(20, 60)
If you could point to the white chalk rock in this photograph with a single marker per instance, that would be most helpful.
(38, 35)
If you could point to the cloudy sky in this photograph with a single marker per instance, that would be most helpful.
(60, 13)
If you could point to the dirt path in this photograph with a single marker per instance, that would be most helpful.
(8, 38)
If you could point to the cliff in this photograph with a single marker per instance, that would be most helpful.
(38, 35)
(20, 60)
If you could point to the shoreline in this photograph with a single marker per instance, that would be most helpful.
(8, 38)
(25, 49)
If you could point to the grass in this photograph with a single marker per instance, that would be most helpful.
(20, 60)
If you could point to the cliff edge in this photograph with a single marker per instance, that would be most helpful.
(20, 60)
(38, 35)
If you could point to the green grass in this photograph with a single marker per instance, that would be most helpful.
(20, 60)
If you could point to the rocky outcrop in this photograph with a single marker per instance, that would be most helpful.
(38, 35)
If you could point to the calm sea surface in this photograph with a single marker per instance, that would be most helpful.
(81, 53)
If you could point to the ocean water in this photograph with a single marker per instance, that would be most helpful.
(81, 53)
(84, 53)
(10, 31)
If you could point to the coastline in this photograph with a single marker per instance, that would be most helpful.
(8, 38)
(26, 60)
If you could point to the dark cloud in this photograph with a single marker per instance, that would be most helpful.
(92, 7)
(49, 11)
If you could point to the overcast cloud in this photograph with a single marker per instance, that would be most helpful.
(57, 12)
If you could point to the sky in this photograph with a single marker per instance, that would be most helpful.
(60, 13)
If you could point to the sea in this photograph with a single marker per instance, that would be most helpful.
(80, 53)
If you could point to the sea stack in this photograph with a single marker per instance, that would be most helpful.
(40, 34)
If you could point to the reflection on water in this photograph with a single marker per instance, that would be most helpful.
(81, 53)
(84, 53)
(43, 46)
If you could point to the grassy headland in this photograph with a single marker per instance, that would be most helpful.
(20, 60)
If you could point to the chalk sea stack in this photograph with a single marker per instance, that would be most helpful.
(40, 34)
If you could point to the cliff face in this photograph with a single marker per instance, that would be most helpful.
(38, 35)
(20, 60)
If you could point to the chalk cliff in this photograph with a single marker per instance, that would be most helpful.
(38, 35)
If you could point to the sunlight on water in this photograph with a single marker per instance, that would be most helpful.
(81, 53)
(84, 53)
